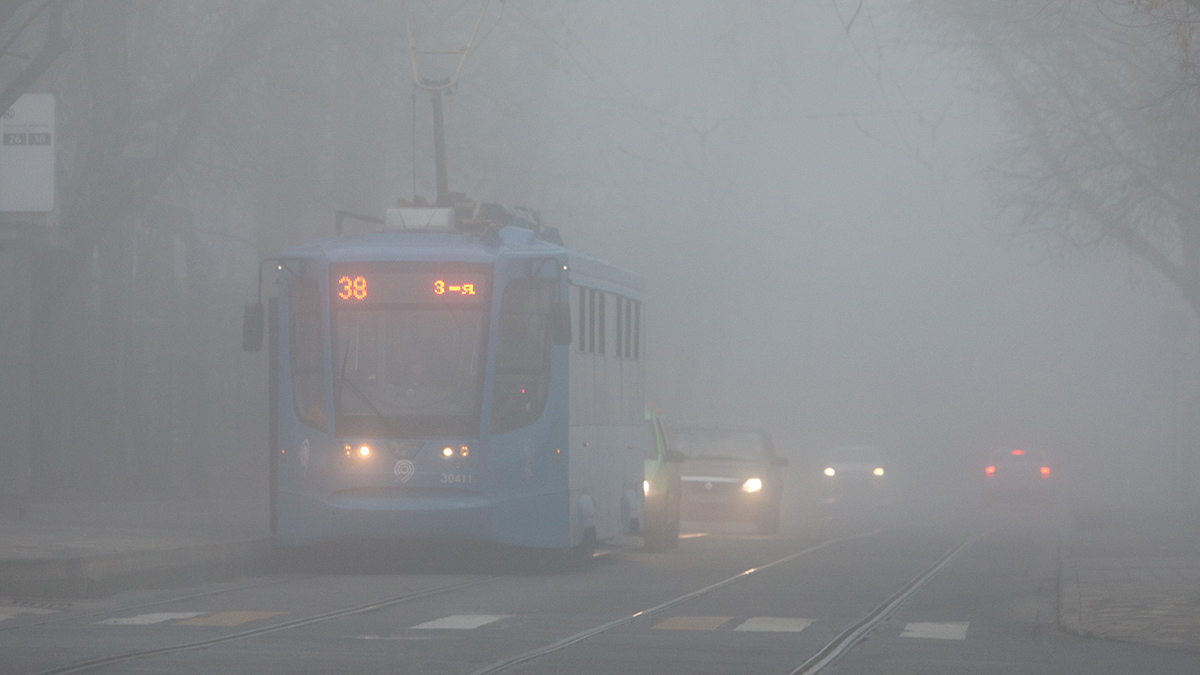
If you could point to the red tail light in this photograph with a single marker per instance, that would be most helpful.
(1045, 471)
(1018, 453)
(990, 471)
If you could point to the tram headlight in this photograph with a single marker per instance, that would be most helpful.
(364, 451)
(830, 472)
(447, 452)
(878, 471)
(752, 485)
(645, 487)
(464, 451)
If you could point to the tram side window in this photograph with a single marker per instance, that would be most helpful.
(637, 330)
(600, 331)
(522, 377)
(583, 320)
(308, 354)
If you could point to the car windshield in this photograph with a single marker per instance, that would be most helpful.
(854, 454)
(721, 444)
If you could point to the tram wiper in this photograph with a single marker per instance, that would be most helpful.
(342, 381)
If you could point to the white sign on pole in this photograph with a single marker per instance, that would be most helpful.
(27, 154)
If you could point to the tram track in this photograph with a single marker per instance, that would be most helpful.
(832, 651)
(67, 618)
(89, 664)
(525, 657)
(826, 655)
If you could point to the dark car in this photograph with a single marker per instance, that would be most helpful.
(662, 485)
(852, 469)
(1018, 473)
(730, 474)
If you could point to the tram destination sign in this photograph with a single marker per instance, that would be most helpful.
(372, 284)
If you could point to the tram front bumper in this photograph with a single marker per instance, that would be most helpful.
(415, 514)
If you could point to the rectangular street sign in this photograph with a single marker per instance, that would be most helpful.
(27, 154)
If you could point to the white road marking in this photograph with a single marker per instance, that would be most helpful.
(692, 535)
(12, 612)
(774, 624)
(147, 619)
(462, 621)
(936, 631)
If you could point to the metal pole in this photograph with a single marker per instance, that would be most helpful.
(439, 150)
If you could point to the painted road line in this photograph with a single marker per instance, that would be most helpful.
(936, 631)
(461, 621)
(228, 619)
(693, 623)
(693, 535)
(148, 619)
(774, 624)
(12, 612)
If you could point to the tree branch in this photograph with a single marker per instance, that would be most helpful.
(55, 45)
(238, 51)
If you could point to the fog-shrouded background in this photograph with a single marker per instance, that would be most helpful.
(860, 222)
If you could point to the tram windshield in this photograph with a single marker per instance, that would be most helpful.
(410, 364)
(416, 365)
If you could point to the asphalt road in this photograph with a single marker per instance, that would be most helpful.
(876, 587)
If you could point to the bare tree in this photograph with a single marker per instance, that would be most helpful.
(1100, 101)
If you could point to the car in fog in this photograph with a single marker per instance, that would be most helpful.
(853, 468)
(1017, 473)
(731, 474)
(662, 485)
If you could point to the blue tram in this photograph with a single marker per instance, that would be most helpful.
(463, 378)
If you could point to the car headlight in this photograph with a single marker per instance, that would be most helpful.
(878, 471)
(752, 485)
(829, 471)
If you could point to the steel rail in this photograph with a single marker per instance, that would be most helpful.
(89, 664)
(847, 639)
(505, 664)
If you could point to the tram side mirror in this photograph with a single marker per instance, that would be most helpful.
(253, 327)
(560, 323)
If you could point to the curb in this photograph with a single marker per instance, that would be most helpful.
(99, 574)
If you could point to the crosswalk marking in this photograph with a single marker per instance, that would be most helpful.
(12, 612)
(148, 619)
(228, 619)
(693, 622)
(461, 621)
(774, 624)
(936, 631)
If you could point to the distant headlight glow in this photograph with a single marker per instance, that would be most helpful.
(829, 471)
(752, 485)
(878, 471)
(645, 487)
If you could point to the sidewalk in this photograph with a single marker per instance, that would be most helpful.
(1133, 576)
(90, 549)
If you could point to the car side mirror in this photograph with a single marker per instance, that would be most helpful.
(675, 456)
(253, 327)
(779, 461)
(560, 323)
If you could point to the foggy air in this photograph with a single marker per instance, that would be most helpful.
(716, 336)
